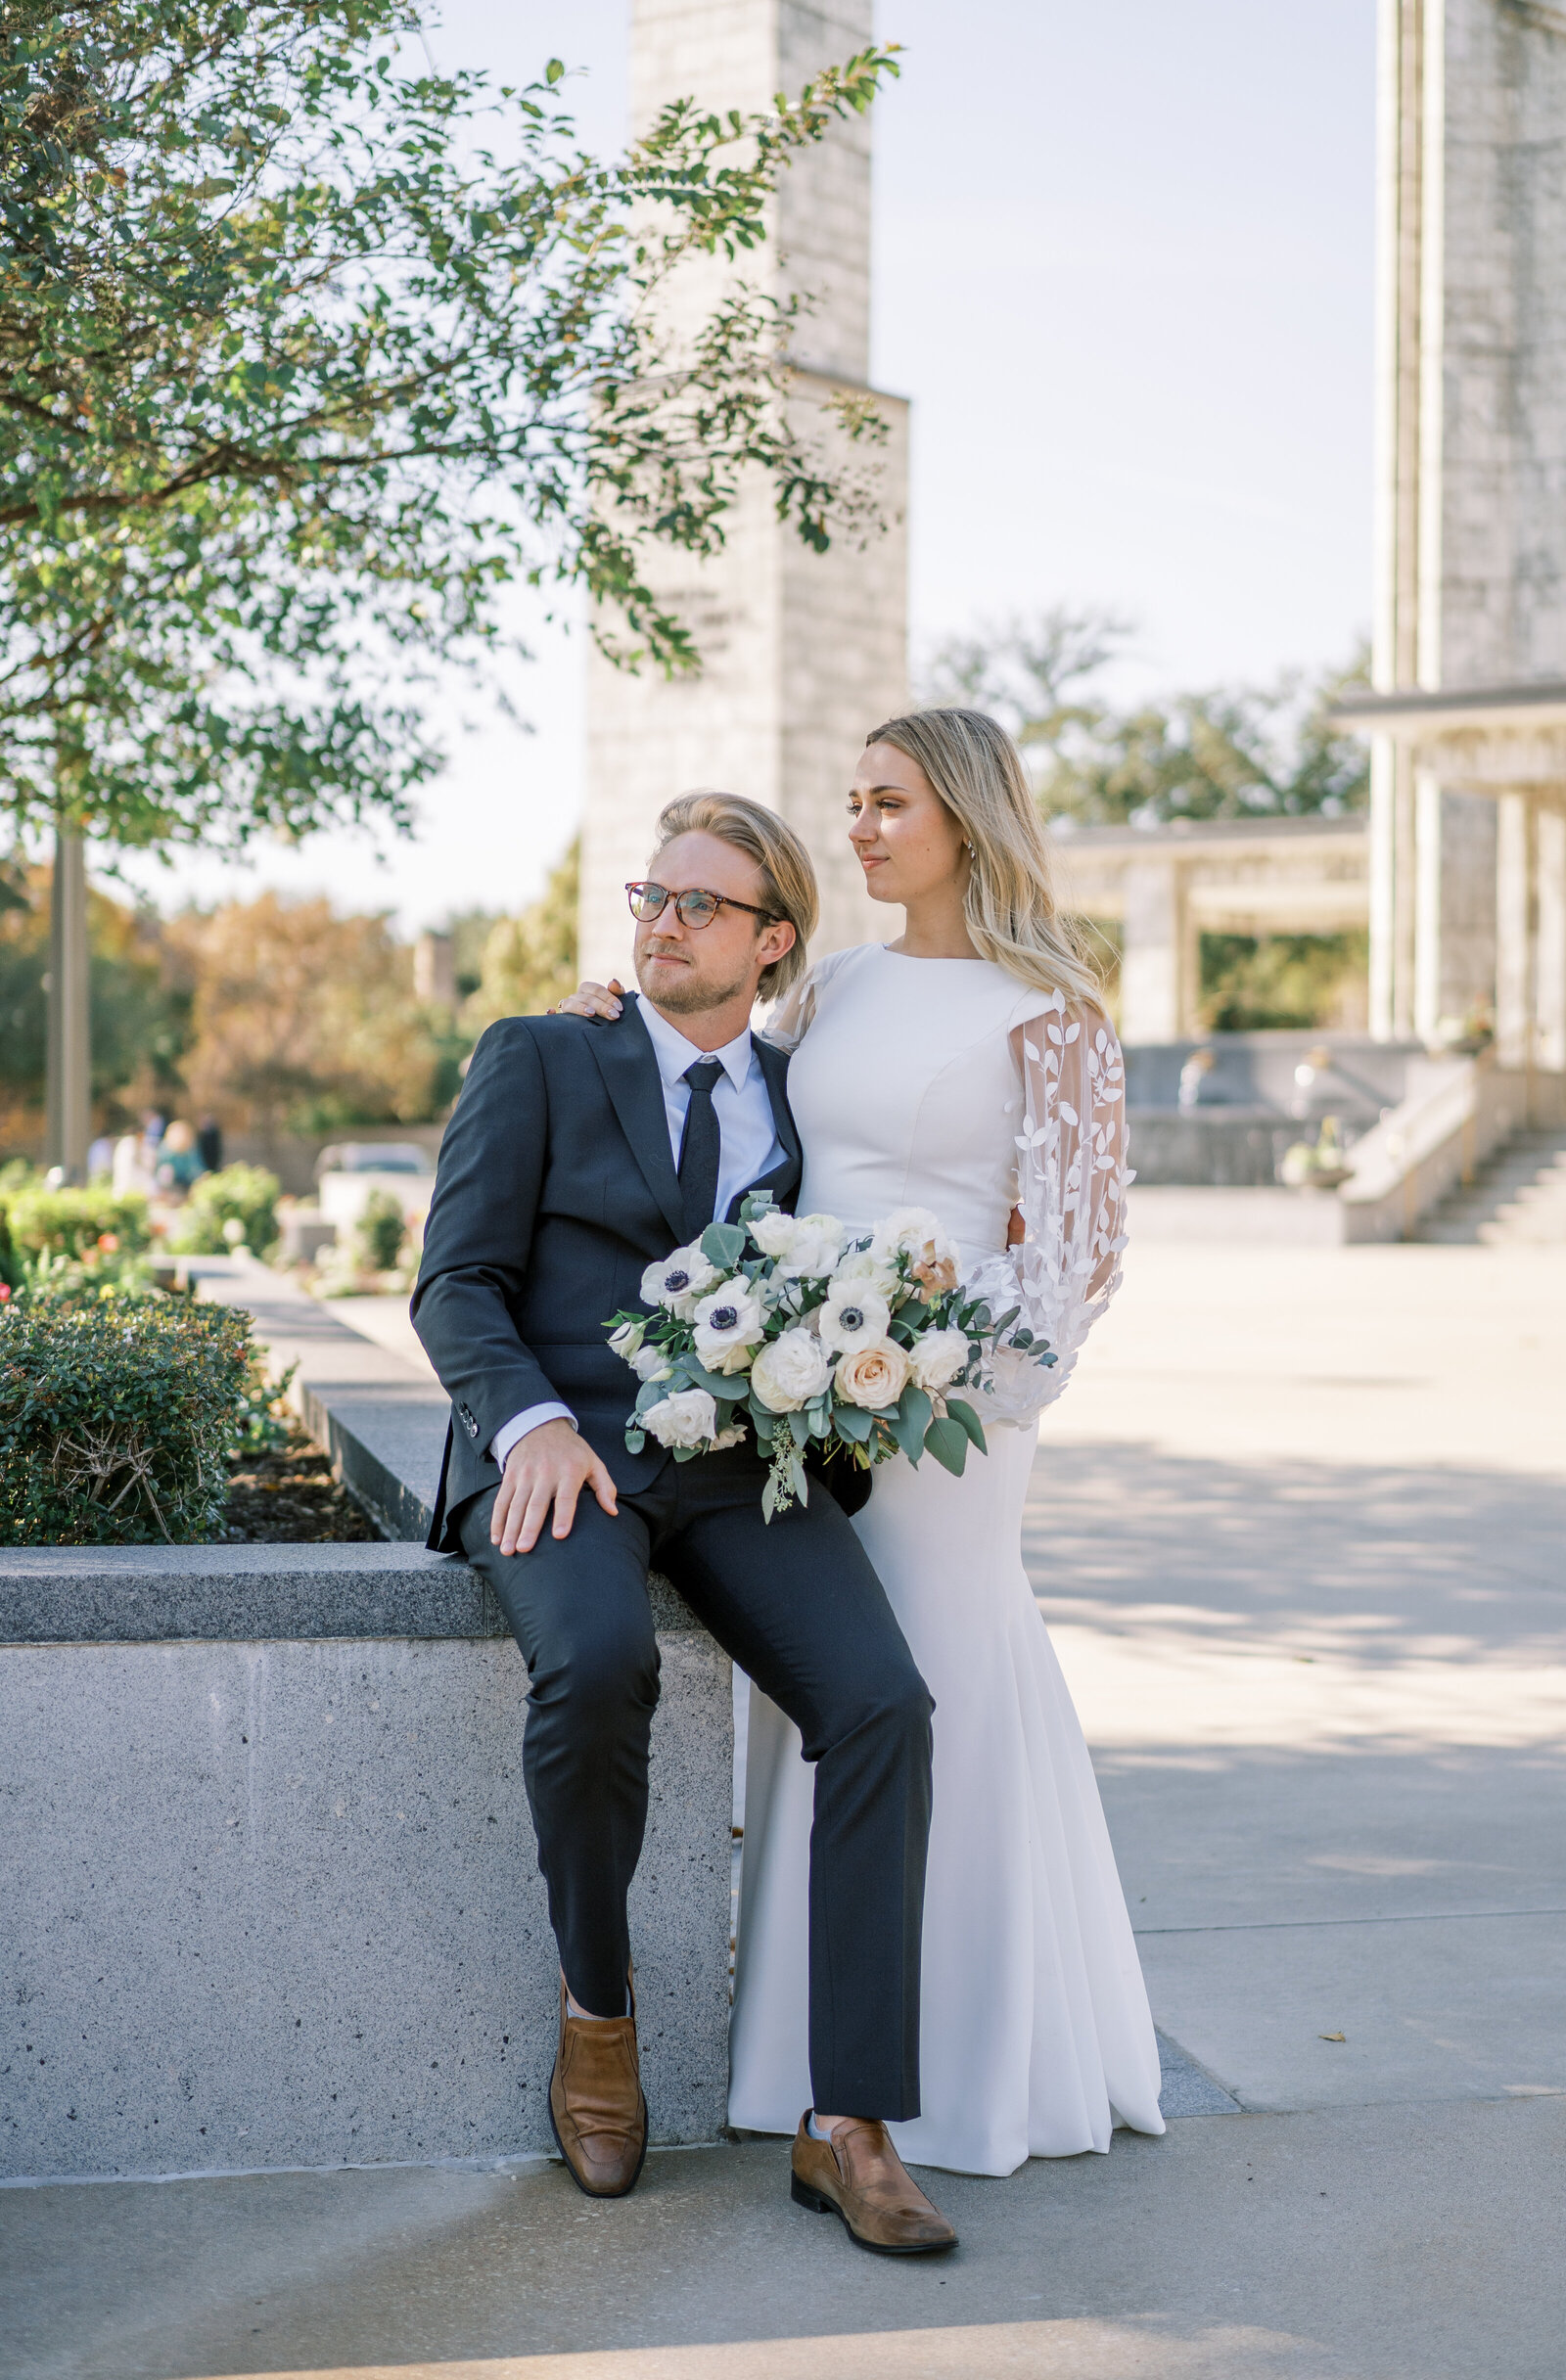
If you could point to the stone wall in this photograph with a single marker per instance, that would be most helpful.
(270, 1884)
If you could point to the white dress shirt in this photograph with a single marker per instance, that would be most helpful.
(748, 1147)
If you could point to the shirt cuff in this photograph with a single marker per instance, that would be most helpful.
(508, 1434)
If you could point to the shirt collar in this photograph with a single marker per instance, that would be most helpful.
(674, 1053)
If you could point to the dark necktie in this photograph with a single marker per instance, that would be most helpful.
(700, 1147)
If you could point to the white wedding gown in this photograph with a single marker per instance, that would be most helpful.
(913, 1082)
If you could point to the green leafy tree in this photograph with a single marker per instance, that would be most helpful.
(1229, 752)
(304, 355)
(529, 962)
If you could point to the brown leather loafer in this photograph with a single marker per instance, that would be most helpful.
(858, 2174)
(596, 2108)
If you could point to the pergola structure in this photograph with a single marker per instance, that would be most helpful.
(1165, 886)
(1504, 746)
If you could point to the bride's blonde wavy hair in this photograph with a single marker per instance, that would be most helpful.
(1010, 907)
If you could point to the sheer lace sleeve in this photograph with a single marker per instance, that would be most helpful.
(1072, 1183)
(790, 1019)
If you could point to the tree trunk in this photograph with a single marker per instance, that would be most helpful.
(69, 1046)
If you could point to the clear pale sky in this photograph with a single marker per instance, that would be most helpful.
(1123, 266)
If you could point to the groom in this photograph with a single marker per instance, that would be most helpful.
(578, 1153)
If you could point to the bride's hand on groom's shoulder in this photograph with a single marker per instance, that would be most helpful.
(550, 1466)
(593, 1000)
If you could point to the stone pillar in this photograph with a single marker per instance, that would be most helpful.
(1153, 953)
(435, 970)
(1454, 908)
(1550, 995)
(801, 652)
(69, 1048)
(1514, 931)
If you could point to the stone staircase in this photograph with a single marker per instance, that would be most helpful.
(1517, 1198)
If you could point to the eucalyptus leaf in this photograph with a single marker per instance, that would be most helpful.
(854, 1423)
(948, 1445)
(907, 1425)
(724, 1245)
(967, 1420)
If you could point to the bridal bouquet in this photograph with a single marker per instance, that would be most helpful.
(782, 1324)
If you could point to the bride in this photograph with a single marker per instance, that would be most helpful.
(965, 1068)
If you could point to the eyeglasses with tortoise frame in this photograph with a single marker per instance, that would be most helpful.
(695, 907)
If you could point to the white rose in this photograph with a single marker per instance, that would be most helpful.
(733, 1436)
(791, 1371)
(904, 1231)
(627, 1340)
(875, 1375)
(773, 1232)
(688, 1418)
(651, 1363)
(678, 1280)
(860, 1265)
(938, 1357)
(855, 1315)
(816, 1248)
(729, 1320)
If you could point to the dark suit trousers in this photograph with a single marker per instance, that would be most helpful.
(798, 1604)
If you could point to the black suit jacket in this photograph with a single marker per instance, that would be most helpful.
(555, 1190)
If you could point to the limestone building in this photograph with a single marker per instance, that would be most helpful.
(1468, 722)
(801, 652)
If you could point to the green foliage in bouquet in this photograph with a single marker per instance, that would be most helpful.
(117, 1421)
(771, 1324)
(245, 1195)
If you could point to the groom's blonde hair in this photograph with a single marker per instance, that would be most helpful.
(1010, 909)
(788, 879)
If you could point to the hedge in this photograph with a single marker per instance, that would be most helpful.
(118, 1420)
(245, 1195)
(72, 1223)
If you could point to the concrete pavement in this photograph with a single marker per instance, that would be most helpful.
(1300, 1529)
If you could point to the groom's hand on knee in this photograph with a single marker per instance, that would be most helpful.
(550, 1466)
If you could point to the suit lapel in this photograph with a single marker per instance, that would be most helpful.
(625, 1059)
(784, 1180)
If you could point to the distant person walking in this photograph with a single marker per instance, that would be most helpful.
(179, 1163)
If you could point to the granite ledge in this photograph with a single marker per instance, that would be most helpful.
(162, 1595)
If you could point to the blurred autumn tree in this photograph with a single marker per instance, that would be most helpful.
(301, 1020)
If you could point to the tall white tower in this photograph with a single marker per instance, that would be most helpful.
(1468, 851)
(801, 652)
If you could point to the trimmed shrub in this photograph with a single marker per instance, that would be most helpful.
(245, 1195)
(118, 1420)
(12, 1270)
(382, 1231)
(75, 1222)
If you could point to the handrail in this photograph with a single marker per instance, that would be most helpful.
(1458, 1110)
